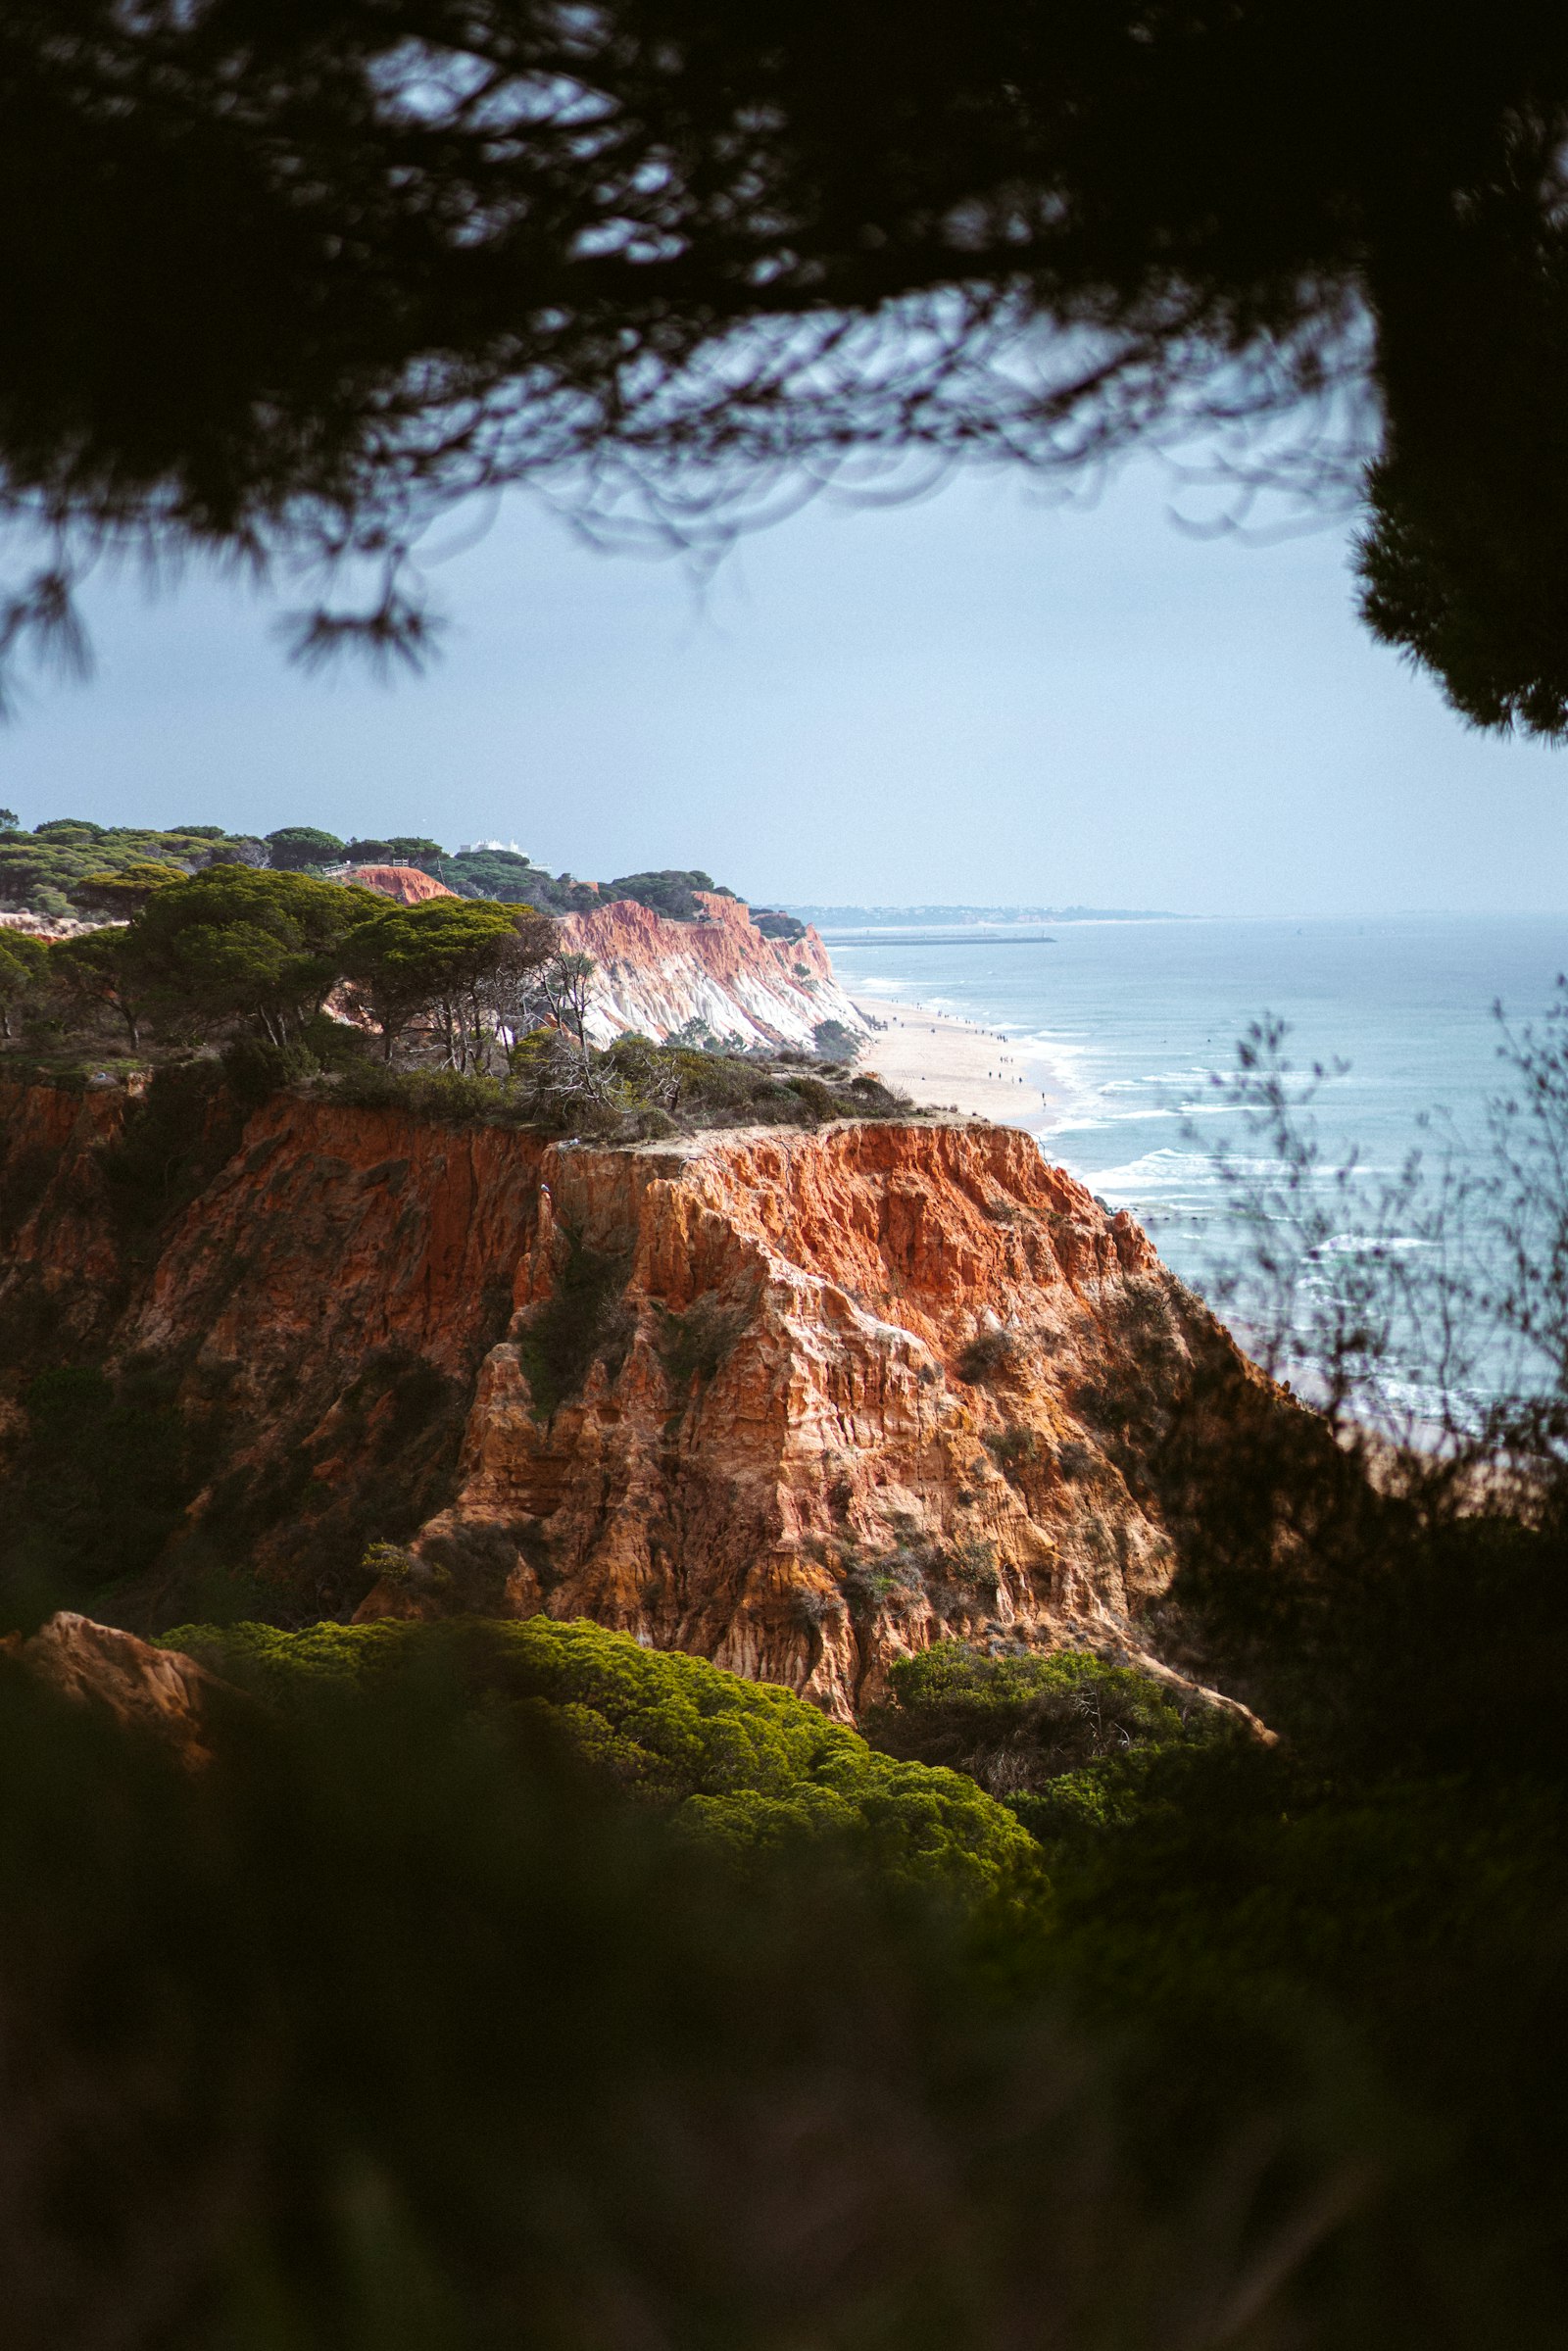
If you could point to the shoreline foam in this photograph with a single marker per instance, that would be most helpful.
(945, 1062)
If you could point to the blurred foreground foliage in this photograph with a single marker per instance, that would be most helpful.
(505, 1983)
(422, 2017)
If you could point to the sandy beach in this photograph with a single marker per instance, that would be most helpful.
(944, 1063)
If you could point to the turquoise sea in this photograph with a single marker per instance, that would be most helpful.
(1121, 1023)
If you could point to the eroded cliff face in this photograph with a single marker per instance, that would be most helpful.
(851, 1392)
(655, 976)
(795, 1402)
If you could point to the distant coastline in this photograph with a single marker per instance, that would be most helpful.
(875, 918)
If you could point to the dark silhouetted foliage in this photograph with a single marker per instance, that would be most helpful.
(100, 1480)
(403, 2024)
(675, 263)
(668, 1961)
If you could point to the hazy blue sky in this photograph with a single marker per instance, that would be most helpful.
(975, 698)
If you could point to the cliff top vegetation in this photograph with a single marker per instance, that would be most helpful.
(453, 1008)
(59, 867)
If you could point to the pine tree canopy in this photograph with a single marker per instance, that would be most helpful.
(286, 281)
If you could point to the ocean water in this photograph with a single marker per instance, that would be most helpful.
(1122, 1022)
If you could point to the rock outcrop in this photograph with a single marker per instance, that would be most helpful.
(406, 883)
(309, 1326)
(157, 1692)
(657, 976)
(796, 1402)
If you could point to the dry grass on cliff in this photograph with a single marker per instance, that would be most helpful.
(633, 1092)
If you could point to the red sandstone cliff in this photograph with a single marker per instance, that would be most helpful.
(853, 1398)
(793, 1402)
(406, 883)
(656, 975)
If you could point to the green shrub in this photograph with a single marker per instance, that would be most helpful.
(702, 1087)
(175, 1137)
(633, 1092)
(695, 1344)
(99, 1482)
(584, 1318)
(1015, 1449)
(1018, 1721)
(669, 891)
(336, 1044)
(739, 1763)
(832, 1040)
(964, 1577)
(959, 1579)
(255, 1069)
(989, 1355)
(890, 1581)
(446, 1096)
